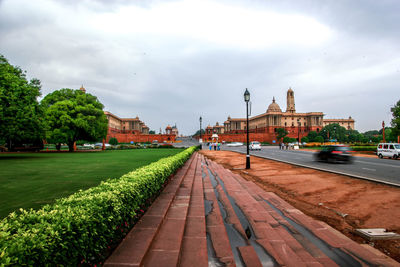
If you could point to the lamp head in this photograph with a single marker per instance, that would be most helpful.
(247, 96)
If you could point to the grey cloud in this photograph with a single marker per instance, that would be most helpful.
(171, 79)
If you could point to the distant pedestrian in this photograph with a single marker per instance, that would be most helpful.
(219, 146)
(210, 146)
(215, 146)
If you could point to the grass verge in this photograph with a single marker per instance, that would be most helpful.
(80, 229)
(30, 180)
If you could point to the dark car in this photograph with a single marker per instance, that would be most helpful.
(335, 153)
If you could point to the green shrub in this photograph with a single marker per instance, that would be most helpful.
(113, 141)
(80, 229)
(363, 148)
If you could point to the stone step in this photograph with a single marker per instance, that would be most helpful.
(132, 250)
(194, 246)
(166, 247)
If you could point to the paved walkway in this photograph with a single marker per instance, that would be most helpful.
(208, 216)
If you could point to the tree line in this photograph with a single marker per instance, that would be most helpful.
(61, 117)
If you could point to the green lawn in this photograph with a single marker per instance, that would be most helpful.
(29, 180)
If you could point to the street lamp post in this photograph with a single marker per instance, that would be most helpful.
(200, 141)
(247, 99)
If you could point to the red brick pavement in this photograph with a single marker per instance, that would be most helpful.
(177, 231)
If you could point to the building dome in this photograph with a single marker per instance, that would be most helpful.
(273, 107)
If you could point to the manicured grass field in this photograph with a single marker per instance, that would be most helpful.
(30, 180)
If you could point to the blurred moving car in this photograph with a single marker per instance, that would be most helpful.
(389, 150)
(255, 145)
(335, 153)
(235, 144)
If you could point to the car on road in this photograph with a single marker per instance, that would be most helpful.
(235, 144)
(389, 150)
(255, 145)
(335, 153)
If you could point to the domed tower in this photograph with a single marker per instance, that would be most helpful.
(274, 114)
(273, 107)
(290, 101)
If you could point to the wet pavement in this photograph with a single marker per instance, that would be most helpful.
(208, 215)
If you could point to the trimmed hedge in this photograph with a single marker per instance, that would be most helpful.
(80, 229)
(364, 148)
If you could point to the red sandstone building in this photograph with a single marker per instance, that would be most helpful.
(128, 130)
(263, 127)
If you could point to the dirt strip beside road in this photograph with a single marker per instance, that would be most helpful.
(342, 202)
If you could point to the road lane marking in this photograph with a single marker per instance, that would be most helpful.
(374, 170)
(379, 164)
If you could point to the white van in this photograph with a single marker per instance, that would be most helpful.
(391, 150)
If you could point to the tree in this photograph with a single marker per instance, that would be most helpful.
(312, 135)
(20, 113)
(152, 132)
(334, 131)
(113, 141)
(396, 119)
(281, 133)
(72, 115)
(304, 139)
(319, 139)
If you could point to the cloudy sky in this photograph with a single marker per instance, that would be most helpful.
(173, 61)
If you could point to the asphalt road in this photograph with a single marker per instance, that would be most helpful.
(374, 169)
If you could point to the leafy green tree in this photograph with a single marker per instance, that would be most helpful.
(312, 135)
(20, 113)
(152, 132)
(113, 141)
(281, 133)
(334, 131)
(287, 139)
(371, 133)
(396, 119)
(304, 139)
(72, 115)
(353, 136)
(319, 139)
